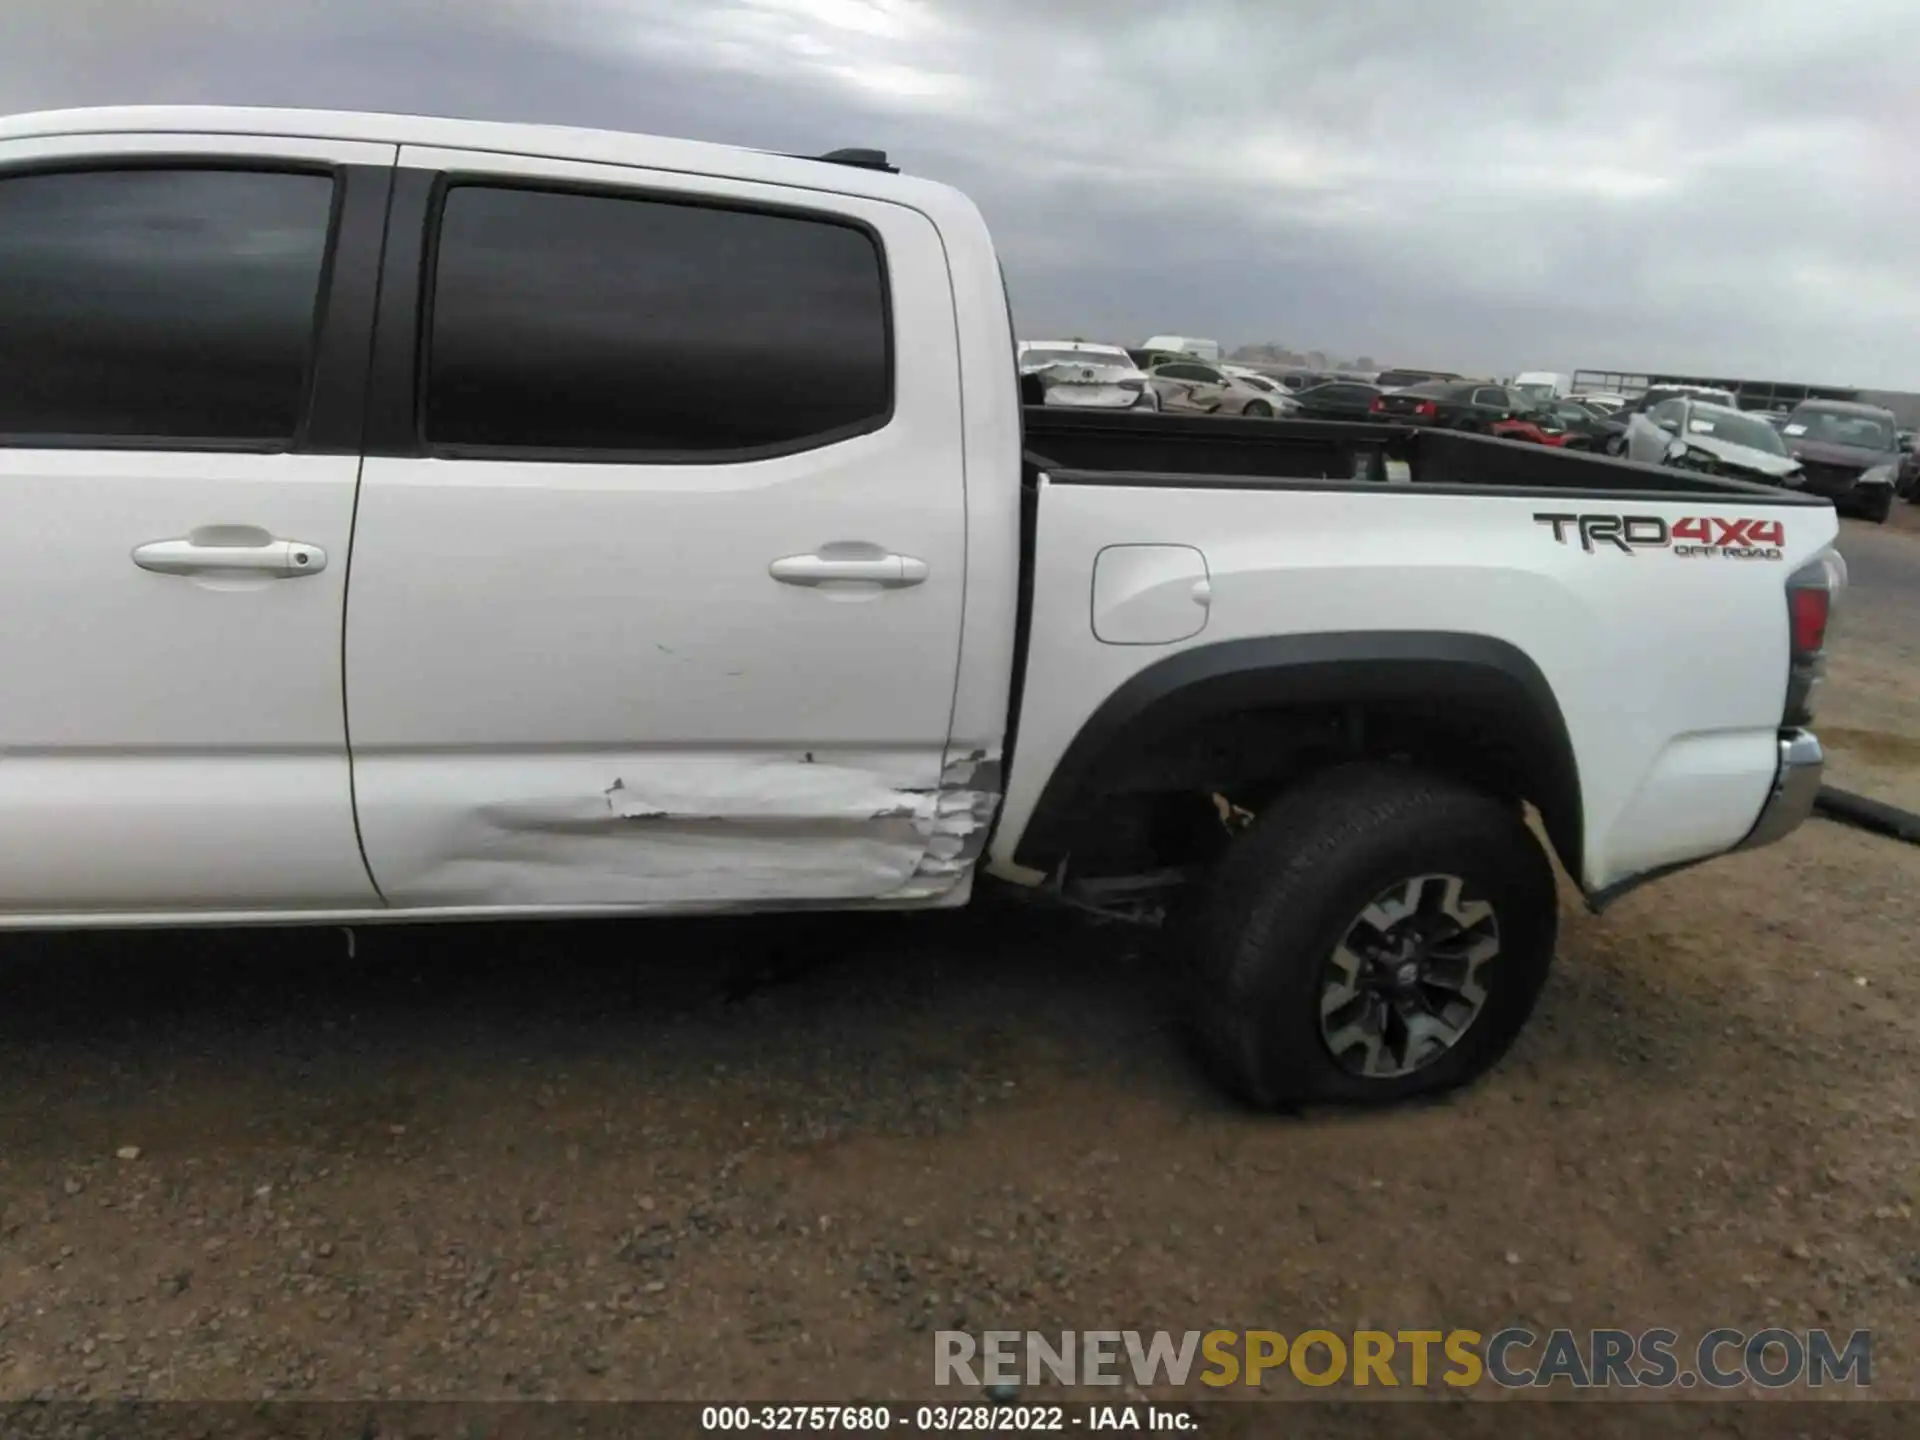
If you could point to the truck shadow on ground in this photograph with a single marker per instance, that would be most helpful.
(797, 1008)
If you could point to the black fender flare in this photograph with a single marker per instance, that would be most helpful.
(1493, 679)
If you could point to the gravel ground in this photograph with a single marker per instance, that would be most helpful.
(725, 1159)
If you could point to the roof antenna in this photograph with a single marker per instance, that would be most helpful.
(865, 159)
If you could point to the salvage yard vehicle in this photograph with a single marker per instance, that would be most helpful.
(1335, 400)
(1191, 347)
(1541, 387)
(1473, 405)
(1277, 394)
(1714, 439)
(384, 540)
(1196, 389)
(1076, 372)
(1615, 441)
(1849, 452)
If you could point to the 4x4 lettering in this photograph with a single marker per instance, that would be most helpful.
(1733, 532)
(1694, 530)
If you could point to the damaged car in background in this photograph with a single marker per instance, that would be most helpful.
(1080, 373)
(1712, 439)
(1192, 388)
(1849, 453)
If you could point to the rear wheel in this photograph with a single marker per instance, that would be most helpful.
(1380, 933)
(1259, 409)
(1615, 445)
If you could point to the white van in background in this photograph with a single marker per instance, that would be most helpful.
(1208, 350)
(1540, 386)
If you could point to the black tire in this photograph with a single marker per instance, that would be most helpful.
(1615, 445)
(1880, 508)
(1259, 410)
(1262, 936)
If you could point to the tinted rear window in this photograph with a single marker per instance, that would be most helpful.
(566, 323)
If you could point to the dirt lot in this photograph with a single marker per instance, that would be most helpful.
(725, 1159)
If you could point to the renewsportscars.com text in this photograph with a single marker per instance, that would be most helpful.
(1512, 1358)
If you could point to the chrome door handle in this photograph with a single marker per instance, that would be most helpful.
(893, 572)
(286, 559)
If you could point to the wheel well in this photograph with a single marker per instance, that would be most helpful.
(1142, 788)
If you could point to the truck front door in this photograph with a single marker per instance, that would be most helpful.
(178, 452)
(657, 579)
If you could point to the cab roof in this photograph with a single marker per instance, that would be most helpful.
(846, 172)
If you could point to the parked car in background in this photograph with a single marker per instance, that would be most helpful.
(1907, 479)
(1189, 387)
(1585, 427)
(1615, 442)
(1399, 379)
(1075, 372)
(1849, 452)
(1283, 401)
(1191, 345)
(1541, 387)
(1336, 400)
(1605, 402)
(1453, 405)
(1714, 439)
(1536, 427)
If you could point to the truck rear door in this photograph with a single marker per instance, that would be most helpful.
(658, 570)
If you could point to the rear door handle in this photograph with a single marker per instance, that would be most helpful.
(892, 572)
(286, 559)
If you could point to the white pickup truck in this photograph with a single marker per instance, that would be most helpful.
(408, 519)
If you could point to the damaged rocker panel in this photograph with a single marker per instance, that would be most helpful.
(720, 831)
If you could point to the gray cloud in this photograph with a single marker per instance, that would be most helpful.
(1714, 185)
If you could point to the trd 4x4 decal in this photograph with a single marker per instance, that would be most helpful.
(1736, 537)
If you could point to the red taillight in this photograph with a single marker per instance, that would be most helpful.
(1379, 406)
(1809, 607)
(1426, 409)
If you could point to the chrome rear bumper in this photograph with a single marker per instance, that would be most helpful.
(1796, 784)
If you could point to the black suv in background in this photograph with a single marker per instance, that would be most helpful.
(1453, 404)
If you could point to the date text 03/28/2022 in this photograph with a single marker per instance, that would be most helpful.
(944, 1419)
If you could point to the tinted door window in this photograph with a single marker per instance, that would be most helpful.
(1494, 399)
(568, 323)
(1181, 372)
(158, 306)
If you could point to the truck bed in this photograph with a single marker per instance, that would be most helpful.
(1600, 589)
(1206, 451)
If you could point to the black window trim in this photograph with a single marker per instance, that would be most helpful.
(418, 445)
(333, 328)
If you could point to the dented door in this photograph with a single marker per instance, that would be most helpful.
(660, 605)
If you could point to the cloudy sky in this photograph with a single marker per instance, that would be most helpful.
(1484, 185)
